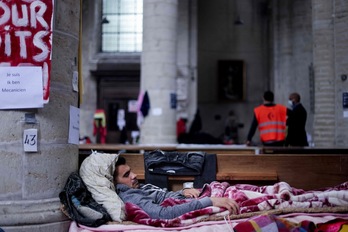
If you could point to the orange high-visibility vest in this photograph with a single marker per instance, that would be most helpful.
(271, 122)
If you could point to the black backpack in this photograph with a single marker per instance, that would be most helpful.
(161, 164)
(79, 205)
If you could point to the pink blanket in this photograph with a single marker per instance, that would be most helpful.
(250, 198)
(323, 222)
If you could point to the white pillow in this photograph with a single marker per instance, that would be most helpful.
(97, 172)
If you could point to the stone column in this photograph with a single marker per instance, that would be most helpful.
(158, 70)
(324, 71)
(31, 182)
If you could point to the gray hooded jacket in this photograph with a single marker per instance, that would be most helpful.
(149, 197)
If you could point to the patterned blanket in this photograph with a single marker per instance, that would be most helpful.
(250, 198)
(266, 223)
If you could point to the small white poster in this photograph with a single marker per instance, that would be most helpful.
(133, 106)
(157, 111)
(74, 125)
(75, 81)
(121, 121)
(345, 113)
(30, 140)
(21, 87)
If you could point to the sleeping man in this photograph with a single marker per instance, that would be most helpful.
(149, 197)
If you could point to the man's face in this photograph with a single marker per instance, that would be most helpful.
(126, 176)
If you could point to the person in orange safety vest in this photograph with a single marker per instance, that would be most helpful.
(270, 118)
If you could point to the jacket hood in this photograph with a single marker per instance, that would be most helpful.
(97, 172)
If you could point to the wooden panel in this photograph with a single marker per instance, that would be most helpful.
(212, 149)
(300, 171)
(303, 171)
(136, 162)
(258, 176)
(236, 176)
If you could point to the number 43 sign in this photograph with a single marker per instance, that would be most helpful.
(30, 140)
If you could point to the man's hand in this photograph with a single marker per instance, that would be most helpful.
(191, 192)
(227, 203)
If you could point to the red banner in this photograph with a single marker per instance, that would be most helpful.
(26, 36)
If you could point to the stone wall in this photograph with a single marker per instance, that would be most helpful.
(330, 62)
(219, 38)
(293, 53)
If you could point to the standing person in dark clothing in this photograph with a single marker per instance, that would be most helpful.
(296, 122)
(231, 129)
(270, 118)
(196, 135)
(196, 125)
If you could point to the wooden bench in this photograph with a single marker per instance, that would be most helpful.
(136, 162)
(235, 176)
(247, 176)
(307, 168)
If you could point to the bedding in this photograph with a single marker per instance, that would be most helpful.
(251, 199)
(288, 209)
(280, 205)
(293, 222)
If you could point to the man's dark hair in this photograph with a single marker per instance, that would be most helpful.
(295, 96)
(268, 96)
(120, 161)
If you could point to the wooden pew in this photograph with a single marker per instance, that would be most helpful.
(136, 162)
(306, 169)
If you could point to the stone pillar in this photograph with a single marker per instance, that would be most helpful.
(31, 182)
(186, 87)
(324, 71)
(158, 70)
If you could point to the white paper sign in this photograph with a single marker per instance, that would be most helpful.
(21, 87)
(132, 106)
(30, 140)
(75, 81)
(74, 125)
(157, 111)
(345, 114)
(121, 122)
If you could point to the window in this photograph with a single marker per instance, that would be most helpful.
(122, 26)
